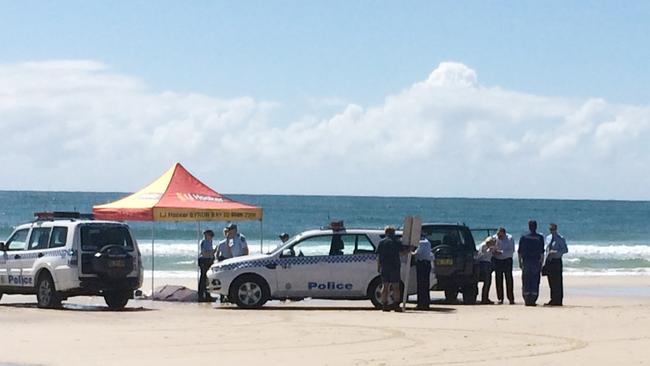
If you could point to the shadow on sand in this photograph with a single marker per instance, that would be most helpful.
(77, 307)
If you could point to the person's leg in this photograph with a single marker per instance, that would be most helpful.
(536, 277)
(203, 279)
(526, 282)
(422, 290)
(385, 287)
(427, 285)
(560, 284)
(507, 272)
(487, 284)
(498, 277)
(397, 295)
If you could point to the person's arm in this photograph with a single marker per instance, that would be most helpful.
(244, 247)
(520, 251)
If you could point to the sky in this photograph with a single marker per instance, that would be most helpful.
(439, 99)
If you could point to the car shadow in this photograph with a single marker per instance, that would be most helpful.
(77, 307)
(433, 309)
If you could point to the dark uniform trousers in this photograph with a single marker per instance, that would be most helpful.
(204, 266)
(486, 277)
(530, 277)
(423, 270)
(555, 282)
(503, 269)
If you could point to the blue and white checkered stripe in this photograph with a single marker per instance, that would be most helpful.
(9, 256)
(301, 261)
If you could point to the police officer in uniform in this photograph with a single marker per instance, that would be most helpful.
(555, 248)
(206, 259)
(531, 255)
(423, 258)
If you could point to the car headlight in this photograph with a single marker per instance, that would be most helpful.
(216, 269)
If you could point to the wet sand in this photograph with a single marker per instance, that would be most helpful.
(605, 321)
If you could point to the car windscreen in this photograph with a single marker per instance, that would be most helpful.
(96, 236)
(443, 235)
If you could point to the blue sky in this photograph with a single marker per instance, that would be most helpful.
(305, 87)
(354, 50)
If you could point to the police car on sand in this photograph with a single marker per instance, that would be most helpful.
(329, 263)
(64, 254)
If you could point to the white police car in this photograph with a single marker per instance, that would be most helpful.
(64, 254)
(319, 264)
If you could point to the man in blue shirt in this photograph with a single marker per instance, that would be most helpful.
(555, 248)
(531, 254)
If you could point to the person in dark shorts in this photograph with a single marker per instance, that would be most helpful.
(531, 255)
(389, 266)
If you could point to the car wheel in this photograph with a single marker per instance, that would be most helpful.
(46, 295)
(469, 294)
(374, 293)
(249, 292)
(116, 300)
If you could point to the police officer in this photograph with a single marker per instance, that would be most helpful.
(423, 258)
(206, 258)
(555, 248)
(531, 254)
(283, 238)
(236, 241)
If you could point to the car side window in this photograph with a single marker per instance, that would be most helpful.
(59, 237)
(39, 238)
(18, 241)
(313, 246)
(354, 244)
(363, 245)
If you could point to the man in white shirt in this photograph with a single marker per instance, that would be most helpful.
(423, 258)
(502, 264)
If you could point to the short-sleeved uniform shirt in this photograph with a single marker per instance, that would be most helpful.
(206, 246)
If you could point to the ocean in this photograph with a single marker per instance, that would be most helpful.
(604, 237)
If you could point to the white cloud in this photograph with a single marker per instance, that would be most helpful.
(79, 125)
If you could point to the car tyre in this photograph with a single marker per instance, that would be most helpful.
(374, 293)
(46, 294)
(469, 294)
(116, 300)
(249, 292)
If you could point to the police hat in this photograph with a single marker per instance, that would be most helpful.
(283, 235)
(231, 227)
(208, 232)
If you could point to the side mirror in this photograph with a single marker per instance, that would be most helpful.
(2, 247)
(287, 253)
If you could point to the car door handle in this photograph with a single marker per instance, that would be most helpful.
(271, 265)
(17, 256)
(40, 255)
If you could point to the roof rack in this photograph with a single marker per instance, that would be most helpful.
(53, 215)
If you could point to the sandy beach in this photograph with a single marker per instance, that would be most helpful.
(605, 321)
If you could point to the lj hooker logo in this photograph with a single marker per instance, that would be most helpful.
(198, 197)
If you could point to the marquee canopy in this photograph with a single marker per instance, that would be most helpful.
(177, 196)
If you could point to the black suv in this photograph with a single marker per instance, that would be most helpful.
(455, 267)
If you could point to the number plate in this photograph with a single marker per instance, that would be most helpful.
(116, 264)
(444, 262)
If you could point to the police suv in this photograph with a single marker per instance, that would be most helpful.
(64, 254)
(329, 263)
